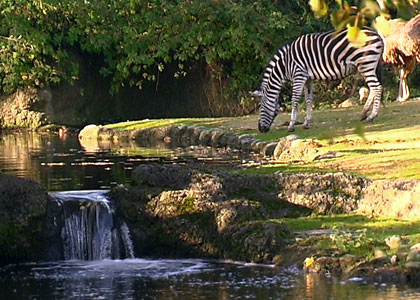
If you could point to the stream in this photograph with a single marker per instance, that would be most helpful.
(62, 164)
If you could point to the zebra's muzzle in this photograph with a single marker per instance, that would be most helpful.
(262, 128)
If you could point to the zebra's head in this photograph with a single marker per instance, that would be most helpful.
(268, 111)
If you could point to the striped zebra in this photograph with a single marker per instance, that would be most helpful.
(322, 56)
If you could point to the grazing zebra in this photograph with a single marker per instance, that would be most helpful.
(323, 56)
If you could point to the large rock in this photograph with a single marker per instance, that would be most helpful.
(391, 198)
(23, 207)
(324, 193)
(191, 211)
(26, 108)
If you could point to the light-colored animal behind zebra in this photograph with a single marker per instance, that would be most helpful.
(322, 56)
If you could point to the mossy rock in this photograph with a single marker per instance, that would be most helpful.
(23, 207)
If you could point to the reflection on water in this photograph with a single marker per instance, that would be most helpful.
(60, 163)
(181, 279)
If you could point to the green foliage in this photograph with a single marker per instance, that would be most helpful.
(138, 40)
(354, 234)
(353, 241)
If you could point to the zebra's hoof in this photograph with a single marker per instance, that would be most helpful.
(369, 119)
(290, 129)
(306, 126)
(363, 117)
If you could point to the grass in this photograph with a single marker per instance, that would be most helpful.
(388, 148)
(355, 234)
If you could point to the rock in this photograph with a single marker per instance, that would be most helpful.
(269, 148)
(27, 108)
(191, 210)
(413, 265)
(155, 175)
(283, 145)
(393, 260)
(23, 207)
(393, 242)
(363, 94)
(89, 132)
(292, 149)
(205, 137)
(413, 255)
(379, 254)
(347, 103)
(323, 193)
(415, 247)
(392, 199)
(327, 265)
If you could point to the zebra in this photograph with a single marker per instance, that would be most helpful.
(322, 56)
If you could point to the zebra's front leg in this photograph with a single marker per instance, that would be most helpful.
(309, 100)
(293, 116)
(298, 84)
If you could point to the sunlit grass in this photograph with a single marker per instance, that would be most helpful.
(387, 148)
(378, 226)
(355, 234)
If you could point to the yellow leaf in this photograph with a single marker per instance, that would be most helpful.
(356, 37)
(309, 262)
(319, 7)
(382, 25)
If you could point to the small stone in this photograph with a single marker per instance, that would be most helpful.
(394, 260)
(379, 253)
(363, 93)
(393, 242)
(413, 256)
(89, 132)
(278, 259)
(415, 247)
(347, 103)
(413, 265)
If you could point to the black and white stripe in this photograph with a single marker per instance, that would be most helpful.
(322, 56)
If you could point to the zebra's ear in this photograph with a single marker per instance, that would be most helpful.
(257, 93)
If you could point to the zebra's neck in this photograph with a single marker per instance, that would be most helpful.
(276, 72)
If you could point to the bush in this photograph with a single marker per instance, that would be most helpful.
(138, 40)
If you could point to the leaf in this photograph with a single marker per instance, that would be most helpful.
(356, 36)
(319, 7)
(360, 131)
(382, 25)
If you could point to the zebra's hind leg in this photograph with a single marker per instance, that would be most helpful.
(309, 100)
(377, 95)
(367, 106)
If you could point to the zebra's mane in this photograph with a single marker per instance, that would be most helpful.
(270, 67)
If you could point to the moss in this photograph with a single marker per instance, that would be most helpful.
(187, 205)
(20, 242)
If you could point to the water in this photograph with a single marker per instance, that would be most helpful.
(61, 163)
(90, 230)
(181, 279)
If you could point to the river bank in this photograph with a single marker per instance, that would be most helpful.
(191, 211)
(290, 209)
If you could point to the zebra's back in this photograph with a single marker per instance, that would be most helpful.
(330, 55)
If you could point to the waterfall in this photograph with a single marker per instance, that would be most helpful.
(90, 230)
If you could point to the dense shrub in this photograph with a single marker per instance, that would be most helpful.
(138, 39)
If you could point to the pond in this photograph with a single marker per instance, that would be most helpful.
(60, 163)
